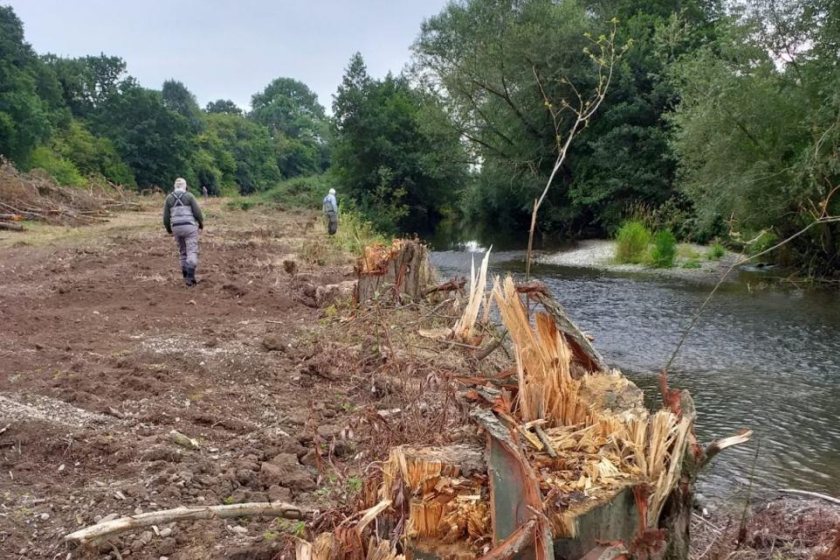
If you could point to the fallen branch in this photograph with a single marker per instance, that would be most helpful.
(448, 286)
(11, 226)
(811, 494)
(134, 522)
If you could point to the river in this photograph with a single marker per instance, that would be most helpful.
(766, 359)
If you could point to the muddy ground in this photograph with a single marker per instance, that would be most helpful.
(290, 394)
(104, 351)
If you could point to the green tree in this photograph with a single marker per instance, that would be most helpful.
(225, 106)
(390, 153)
(178, 99)
(152, 140)
(296, 123)
(756, 129)
(24, 120)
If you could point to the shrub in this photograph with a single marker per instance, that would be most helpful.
(60, 169)
(664, 249)
(716, 252)
(632, 240)
(763, 242)
(355, 233)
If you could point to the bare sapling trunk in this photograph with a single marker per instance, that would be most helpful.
(605, 56)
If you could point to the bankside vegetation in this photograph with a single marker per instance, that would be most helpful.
(720, 118)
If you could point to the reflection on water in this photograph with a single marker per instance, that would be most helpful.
(767, 360)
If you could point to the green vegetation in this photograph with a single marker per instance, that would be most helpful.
(632, 242)
(682, 139)
(716, 252)
(692, 263)
(664, 249)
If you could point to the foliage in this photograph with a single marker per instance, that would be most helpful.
(391, 155)
(632, 242)
(486, 60)
(299, 192)
(664, 249)
(355, 233)
(296, 123)
(739, 165)
(692, 264)
(716, 252)
(225, 106)
(62, 170)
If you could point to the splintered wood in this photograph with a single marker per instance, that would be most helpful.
(396, 272)
(445, 489)
(604, 465)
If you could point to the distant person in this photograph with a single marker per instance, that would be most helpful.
(182, 218)
(331, 212)
(204, 192)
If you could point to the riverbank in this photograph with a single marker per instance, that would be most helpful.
(600, 254)
(289, 393)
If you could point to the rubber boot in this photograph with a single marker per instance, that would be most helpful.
(190, 276)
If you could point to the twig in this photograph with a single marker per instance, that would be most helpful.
(743, 260)
(811, 494)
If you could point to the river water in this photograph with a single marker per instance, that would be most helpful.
(766, 359)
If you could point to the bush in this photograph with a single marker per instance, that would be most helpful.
(299, 192)
(60, 169)
(763, 242)
(716, 252)
(355, 233)
(632, 240)
(664, 249)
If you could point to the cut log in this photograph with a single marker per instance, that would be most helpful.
(134, 522)
(11, 226)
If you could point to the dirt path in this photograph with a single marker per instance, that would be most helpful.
(103, 352)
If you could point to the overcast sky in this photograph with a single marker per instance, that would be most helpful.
(230, 49)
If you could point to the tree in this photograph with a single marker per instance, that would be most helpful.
(390, 153)
(296, 122)
(178, 99)
(23, 119)
(484, 58)
(88, 82)
(152, 140)
(756, 130)
(241, 152)
(224, 106)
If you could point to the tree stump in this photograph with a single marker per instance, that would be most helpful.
(396, 273)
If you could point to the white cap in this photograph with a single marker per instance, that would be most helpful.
(180, 184)
(332, 191)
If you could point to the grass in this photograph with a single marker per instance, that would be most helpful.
(716, 252)
(664, 249)
(632, 242)
(692, 264)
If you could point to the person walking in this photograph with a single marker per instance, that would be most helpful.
(182, 218)
(330, 207)
(204, 191)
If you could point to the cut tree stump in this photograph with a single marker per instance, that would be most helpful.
(396, 273)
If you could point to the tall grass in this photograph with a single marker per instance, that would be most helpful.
(632, 242)
(355, 233)
(664, 249)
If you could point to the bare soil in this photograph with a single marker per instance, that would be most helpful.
(104, 351)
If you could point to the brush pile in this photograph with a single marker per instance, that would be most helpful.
(571, 458)
(36, 196)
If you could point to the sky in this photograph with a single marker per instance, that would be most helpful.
(231, 49)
